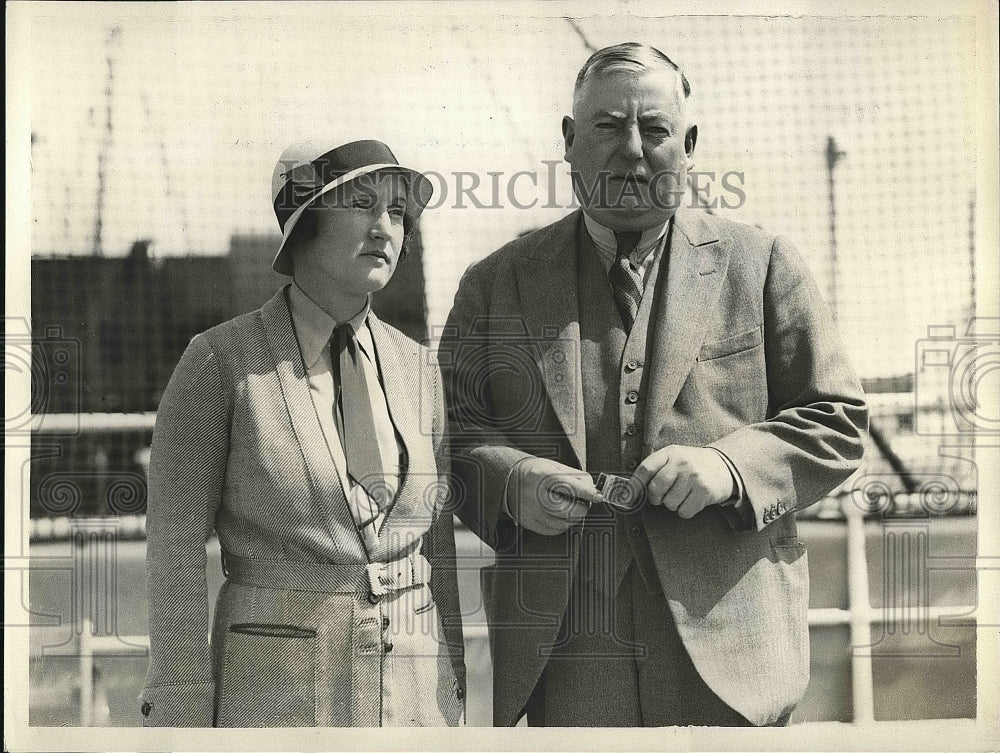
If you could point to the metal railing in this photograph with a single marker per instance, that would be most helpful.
(859, 616)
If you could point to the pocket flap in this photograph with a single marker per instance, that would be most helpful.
(730, 345)
(271, 630)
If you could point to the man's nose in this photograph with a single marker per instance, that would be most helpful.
(631, 145)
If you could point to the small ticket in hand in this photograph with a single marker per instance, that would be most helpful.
(619, 492)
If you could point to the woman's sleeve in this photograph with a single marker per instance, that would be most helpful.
(186, 475)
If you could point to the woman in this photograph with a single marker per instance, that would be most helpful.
(310, 436)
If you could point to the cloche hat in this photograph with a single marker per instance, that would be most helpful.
(308, 169)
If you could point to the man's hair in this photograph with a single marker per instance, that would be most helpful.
(627, 56)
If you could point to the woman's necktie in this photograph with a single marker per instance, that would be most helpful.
(364, 461)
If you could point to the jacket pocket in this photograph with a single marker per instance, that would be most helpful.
(788, 549)
(268, 676)
(731, 345)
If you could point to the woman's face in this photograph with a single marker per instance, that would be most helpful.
(358, 238)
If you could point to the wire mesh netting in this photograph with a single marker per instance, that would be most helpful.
(153, 137)
(151, 217)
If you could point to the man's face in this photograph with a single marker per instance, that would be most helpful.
(358, 238)
(628, 145)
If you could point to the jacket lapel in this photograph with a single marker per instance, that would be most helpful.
(695, 268)
(404, 384)
(294, 381)
(547, 283)
(401, 385)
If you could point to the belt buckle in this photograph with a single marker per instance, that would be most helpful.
(376, 589)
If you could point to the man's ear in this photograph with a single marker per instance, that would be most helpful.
(569, 131)
(690, 139)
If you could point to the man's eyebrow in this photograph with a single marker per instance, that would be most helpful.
(619, 115)
(615, 114)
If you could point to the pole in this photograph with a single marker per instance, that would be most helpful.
(833, 155)
(114, 37)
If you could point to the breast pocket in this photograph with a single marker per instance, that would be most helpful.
(268, 677)
(731, 345)
(728, 385)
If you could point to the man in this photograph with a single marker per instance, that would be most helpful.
(692, 355)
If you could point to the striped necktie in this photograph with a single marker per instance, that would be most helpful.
(624, 280)
(364, 461)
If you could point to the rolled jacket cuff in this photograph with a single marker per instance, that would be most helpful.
(737, 479)
(738, 509)
(505, 504)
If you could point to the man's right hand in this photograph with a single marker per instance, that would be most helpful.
(548, 497)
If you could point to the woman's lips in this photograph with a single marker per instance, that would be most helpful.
(375, 254)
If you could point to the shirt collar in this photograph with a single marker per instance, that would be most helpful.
(604, 239)
(314, 327)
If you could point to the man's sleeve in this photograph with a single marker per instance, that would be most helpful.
(439, 542)
(737, 509)
(482, 458)
(813, 438)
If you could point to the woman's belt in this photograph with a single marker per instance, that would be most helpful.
(375, 579)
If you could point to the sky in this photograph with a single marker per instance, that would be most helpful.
(203, 101)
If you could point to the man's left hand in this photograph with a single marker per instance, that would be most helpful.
(685, 479)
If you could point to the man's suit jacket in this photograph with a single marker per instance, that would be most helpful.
(742, 356)
(238, 447)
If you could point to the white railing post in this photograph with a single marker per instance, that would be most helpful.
(859, 605)
(86, 673)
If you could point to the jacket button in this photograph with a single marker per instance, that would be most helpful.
(387, 646)
(146, 708)
(374, 598)
(385, 623)
(631, 430)
(460, 693)
(631, 365)
(632, 397)
(634, 530)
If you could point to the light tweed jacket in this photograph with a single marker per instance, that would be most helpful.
(238, 448)
(742, 356)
